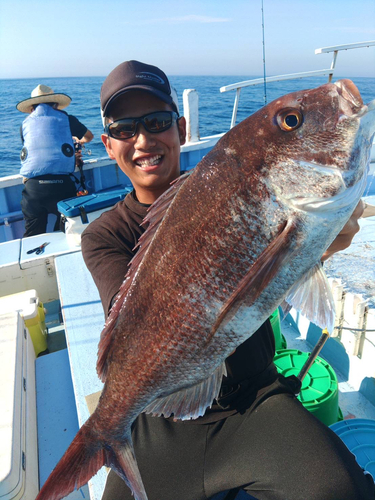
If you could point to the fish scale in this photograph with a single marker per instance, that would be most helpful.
(225, 246)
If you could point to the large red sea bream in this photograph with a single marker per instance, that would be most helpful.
(225, 246)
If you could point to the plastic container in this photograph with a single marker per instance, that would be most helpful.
(356, 437)
(18, 431)
(365, 455)
(319, 393)
(280, 341)
(82, 210)
(28, 305)
(359, 436)
(353, 423)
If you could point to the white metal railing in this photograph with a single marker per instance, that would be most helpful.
(293, 76)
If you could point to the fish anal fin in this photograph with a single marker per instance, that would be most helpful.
(257, 278)
(312, 296)
(189, 403)
(154, 217)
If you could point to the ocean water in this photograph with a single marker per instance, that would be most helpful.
(215, 108)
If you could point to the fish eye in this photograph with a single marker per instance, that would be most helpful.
(289, 119)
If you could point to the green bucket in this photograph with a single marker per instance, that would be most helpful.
(319, 393)
(280, 341)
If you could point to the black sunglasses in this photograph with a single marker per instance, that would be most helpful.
(156, 122)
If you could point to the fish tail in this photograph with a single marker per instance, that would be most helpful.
(84, 457)
(123, 461)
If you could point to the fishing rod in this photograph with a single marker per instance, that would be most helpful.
(313, 355)
(264, 59)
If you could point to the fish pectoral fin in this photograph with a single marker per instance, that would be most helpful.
(259, 275)
(312, 296)
(189, 403)
(124, 463)
(285, 308)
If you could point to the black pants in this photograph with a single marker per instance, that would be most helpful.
(40, 197)
(274, 451)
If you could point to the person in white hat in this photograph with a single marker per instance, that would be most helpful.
(48, 156)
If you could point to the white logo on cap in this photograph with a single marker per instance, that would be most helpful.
(150, 76)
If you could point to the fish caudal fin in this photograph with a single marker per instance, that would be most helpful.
(313, 297)
(81, 461)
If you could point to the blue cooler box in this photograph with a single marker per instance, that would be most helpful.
(80, 211)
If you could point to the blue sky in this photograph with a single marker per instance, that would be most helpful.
(47, 38)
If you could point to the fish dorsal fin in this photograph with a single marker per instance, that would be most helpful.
(312, 296)
(189, 403)
(158, 209)
(257, 278)
(155, 215)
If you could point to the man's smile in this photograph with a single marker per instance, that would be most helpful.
(147, 162)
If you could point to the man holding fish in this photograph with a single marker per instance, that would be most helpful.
(217, 426)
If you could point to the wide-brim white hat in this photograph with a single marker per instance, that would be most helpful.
(43, 94)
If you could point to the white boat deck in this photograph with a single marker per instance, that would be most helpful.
(84, 319)
(57, 415)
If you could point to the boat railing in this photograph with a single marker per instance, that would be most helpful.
(100, 174)
(293, 76)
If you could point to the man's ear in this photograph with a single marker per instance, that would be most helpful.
(181, 123)
(107, 144)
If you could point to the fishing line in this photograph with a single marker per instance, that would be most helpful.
(264, 59)
(353, 329)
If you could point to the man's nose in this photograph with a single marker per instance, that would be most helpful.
(142, 136)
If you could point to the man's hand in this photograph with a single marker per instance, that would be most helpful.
(79, 161)
(344, 238)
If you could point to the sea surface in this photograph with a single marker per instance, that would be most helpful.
(215, 108)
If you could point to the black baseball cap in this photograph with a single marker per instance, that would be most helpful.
(135, 75)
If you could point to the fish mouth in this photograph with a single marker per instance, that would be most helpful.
(350, 93)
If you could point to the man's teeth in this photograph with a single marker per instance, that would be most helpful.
(147, 162)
